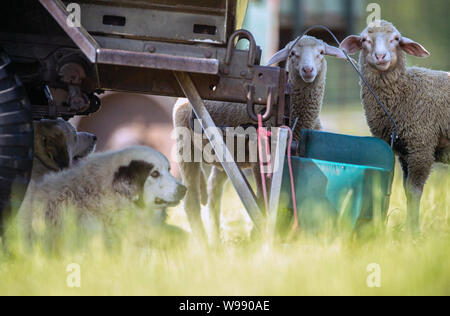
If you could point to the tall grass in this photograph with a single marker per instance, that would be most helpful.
(329, 264)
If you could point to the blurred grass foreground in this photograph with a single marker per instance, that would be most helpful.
(333, 263)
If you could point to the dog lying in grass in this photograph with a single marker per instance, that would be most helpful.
(99, 194)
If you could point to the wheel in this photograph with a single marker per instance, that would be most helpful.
(16, 139)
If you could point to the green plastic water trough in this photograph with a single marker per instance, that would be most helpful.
(338, 176)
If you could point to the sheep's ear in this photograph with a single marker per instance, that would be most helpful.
(334, 51)
(413, 48)
(281, 55)
(352, 44)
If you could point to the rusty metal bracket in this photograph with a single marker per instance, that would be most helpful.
(269, 106)
(252, 49)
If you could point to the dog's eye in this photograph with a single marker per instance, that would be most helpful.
(155, 174)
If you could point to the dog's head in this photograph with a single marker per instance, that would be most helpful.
(57, 144)
(145, 178)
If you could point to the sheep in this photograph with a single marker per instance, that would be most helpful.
(307, 73)
(417, 98)
(307, 69)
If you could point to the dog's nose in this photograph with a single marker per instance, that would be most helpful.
(94, 138)
(307, 70)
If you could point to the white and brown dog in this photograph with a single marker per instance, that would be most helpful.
(101, 190)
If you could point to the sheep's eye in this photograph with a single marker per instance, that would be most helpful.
(155, 174)
(292, 54)
(396, 39)
(322, 52)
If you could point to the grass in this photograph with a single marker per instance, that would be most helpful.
(330, 264)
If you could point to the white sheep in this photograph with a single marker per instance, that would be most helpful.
(417, 98)
(307, 73)
(307, 70)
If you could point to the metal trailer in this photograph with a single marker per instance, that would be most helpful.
(51, 66)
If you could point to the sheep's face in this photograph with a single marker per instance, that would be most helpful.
(306, 57)
(381, 46)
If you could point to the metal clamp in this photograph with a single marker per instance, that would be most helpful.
(250, 105)
(252, 49)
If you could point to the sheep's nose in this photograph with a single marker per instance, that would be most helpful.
(380, 57)
(307, 70)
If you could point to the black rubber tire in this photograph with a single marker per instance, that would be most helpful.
(16, 140)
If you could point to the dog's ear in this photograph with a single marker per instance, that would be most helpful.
(60, 155)
(129, 180)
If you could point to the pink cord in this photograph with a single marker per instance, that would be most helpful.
(262, 133)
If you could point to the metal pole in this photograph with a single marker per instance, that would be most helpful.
(282, 136)
(215, 138)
